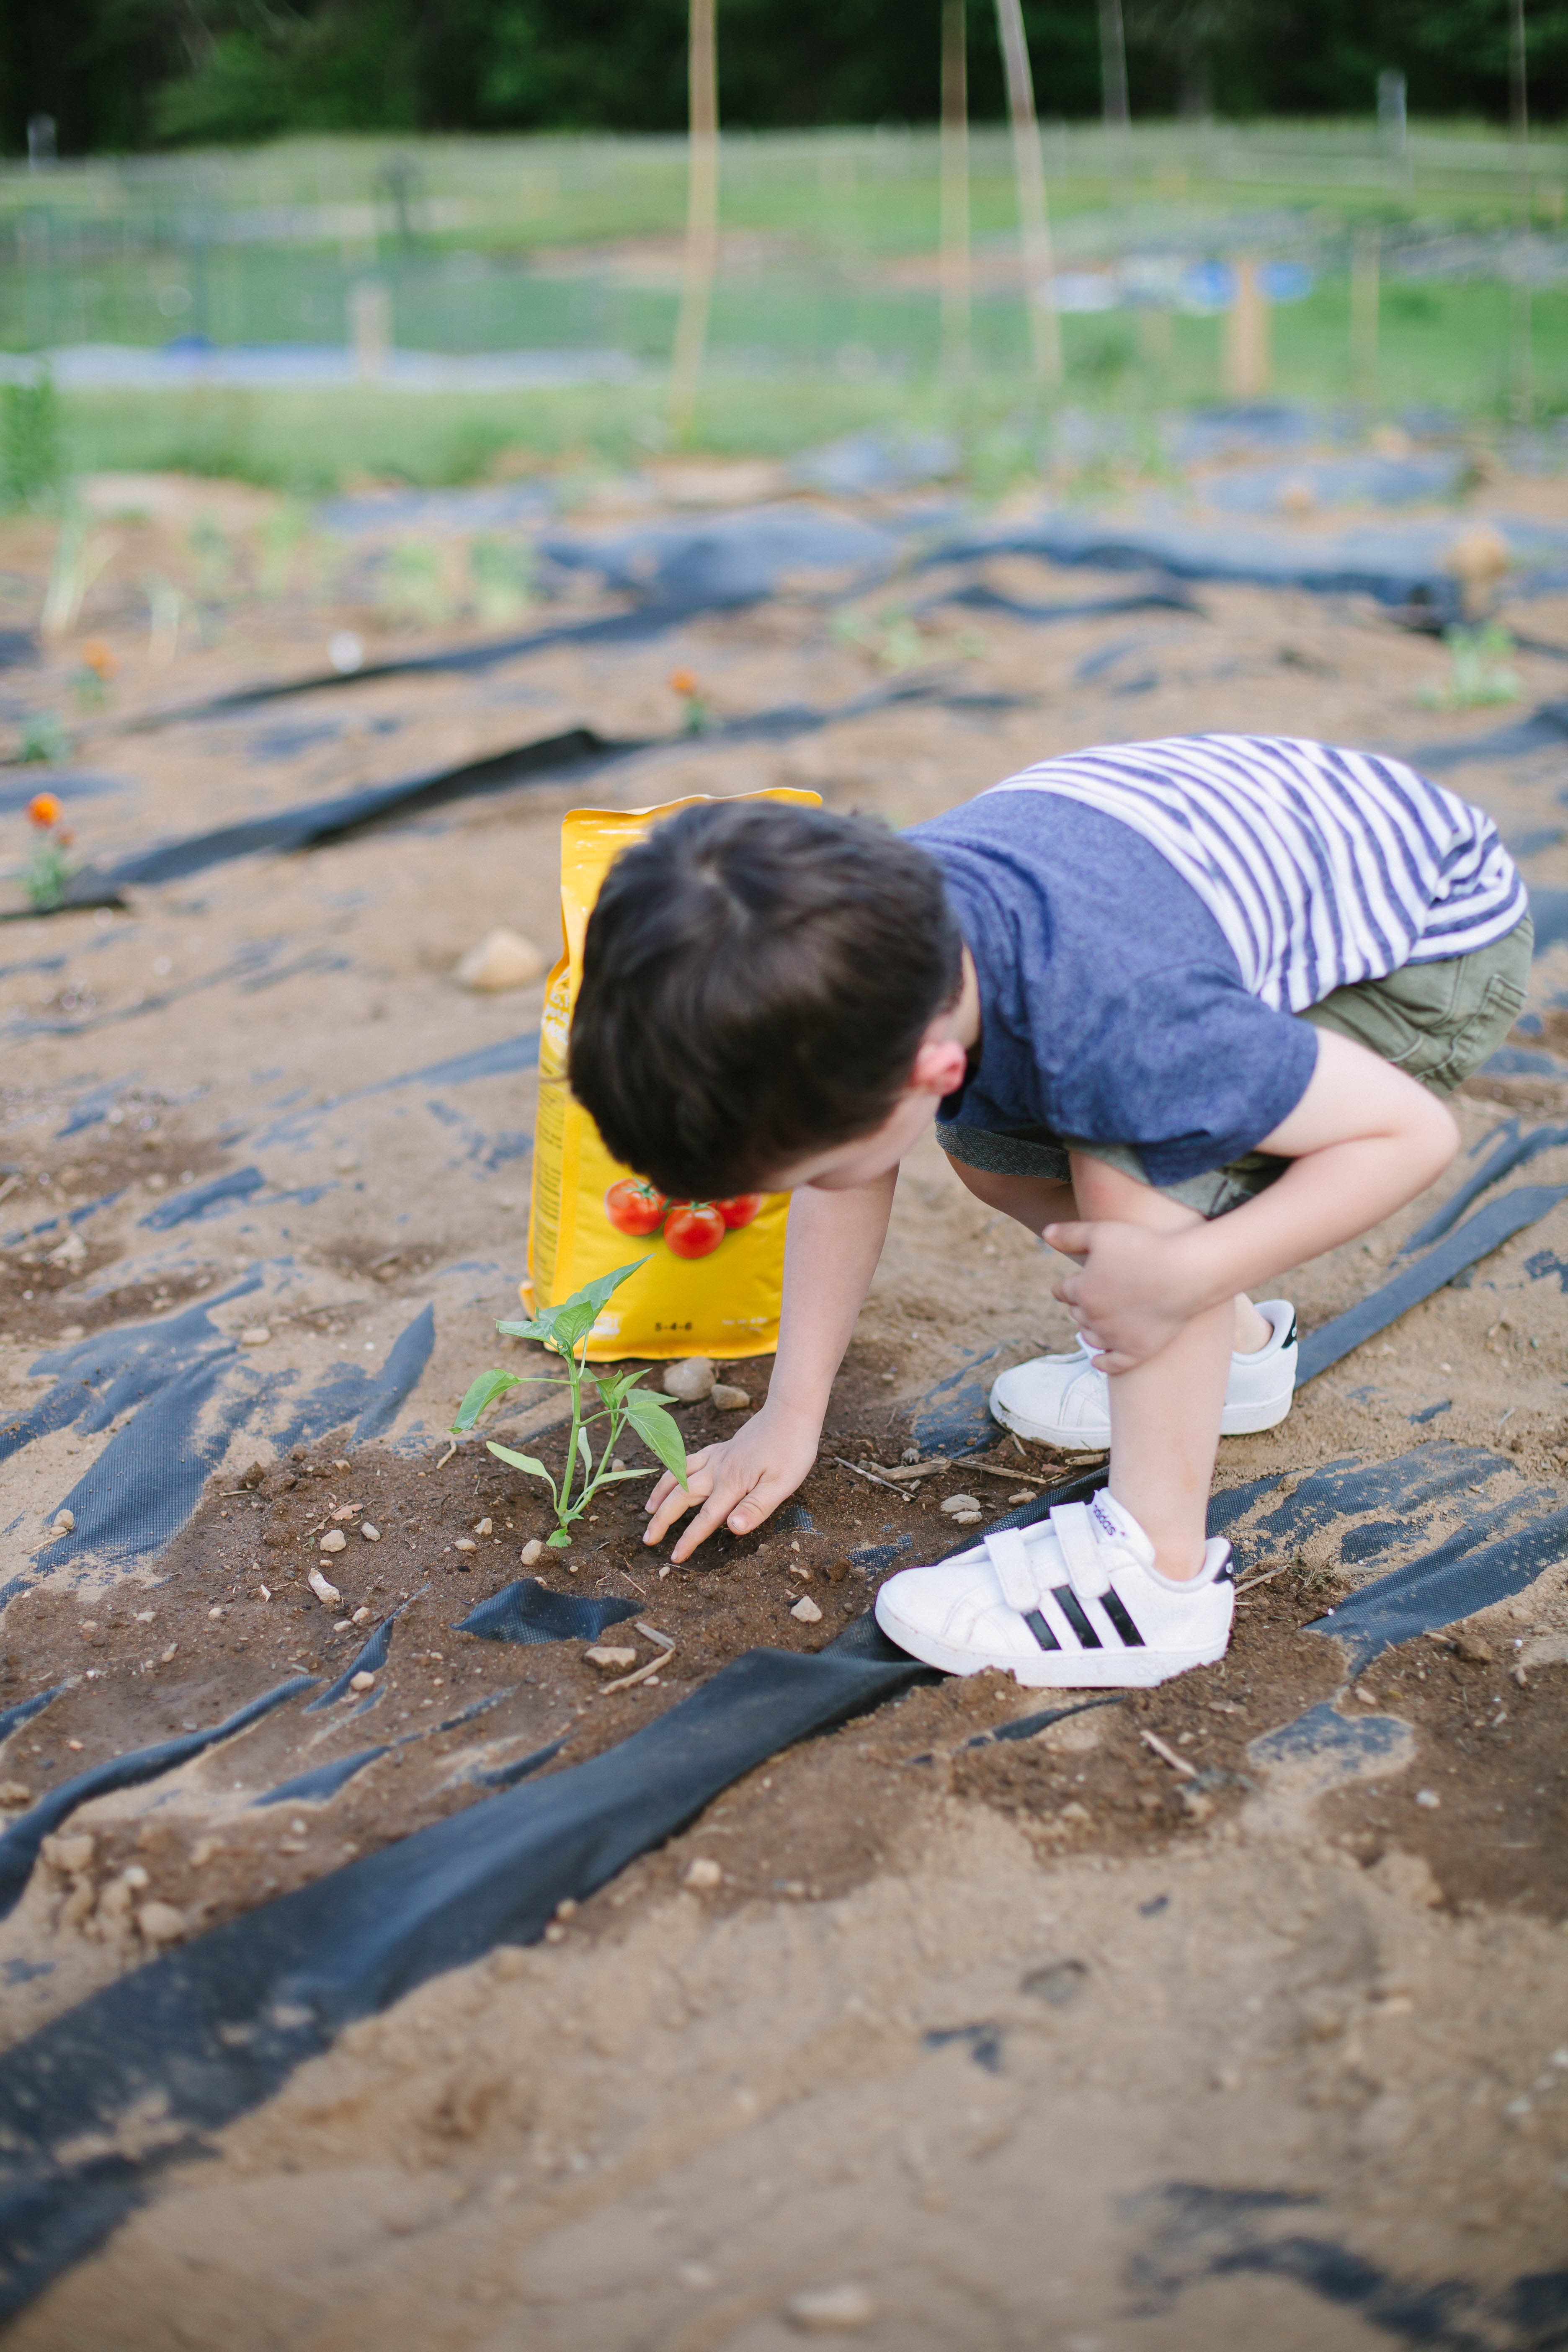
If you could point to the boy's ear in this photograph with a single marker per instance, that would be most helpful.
(939, 1066)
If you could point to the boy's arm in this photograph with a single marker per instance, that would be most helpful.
(831, 1247)
(1364, 1139)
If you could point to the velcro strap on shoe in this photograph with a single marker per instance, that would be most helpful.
(1009, 1556)
(1074, 1531)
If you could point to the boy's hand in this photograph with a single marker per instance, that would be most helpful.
(1133, 1291)
(736, 1484)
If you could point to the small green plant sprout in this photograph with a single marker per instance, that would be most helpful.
(566, 1330)
(1479, 671)
(44, 740)
(696, 716)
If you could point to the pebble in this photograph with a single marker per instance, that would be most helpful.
(359, 1616)
(64, 1523)
(14, 1793)
(503, 959)
(690, 1380)
(370, 1535)
(805, 1611)
(334, 1542)
(532, 1551)
(728, 1398)
(323, 1591)
(954, 1505)
(363, 1680)
(465, 1543)
(703, 1875)
(1473, 1650)
(483, 1526)
(160, 1922)
(72, 1853)
(1407, 1876)
(255, 1334)
(830, 2310)
(610, 1658)
(1430, 1799)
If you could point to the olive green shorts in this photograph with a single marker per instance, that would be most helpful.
(1437, 1020)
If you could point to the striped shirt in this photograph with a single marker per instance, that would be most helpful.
(1322, 866)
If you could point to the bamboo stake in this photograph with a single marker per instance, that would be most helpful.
(955, 233)
(1365, 253)
(1028, 172)
(702, 216)
(1523, 357)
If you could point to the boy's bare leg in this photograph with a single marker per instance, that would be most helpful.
(1165, 1414)
(1035, 1202)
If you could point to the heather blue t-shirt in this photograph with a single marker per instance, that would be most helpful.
(1112, 1006)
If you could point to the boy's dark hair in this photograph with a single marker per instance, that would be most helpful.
(756, 981)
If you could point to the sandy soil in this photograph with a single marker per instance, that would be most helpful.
(1030, 2042)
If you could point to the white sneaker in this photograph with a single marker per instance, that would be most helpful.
(1074, 1605)
(1062, 1400)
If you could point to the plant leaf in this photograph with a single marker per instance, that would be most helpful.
(657, 1427)
(586, 1450)
(535, 1469)
(482, 1393)
(566, 1325)
(559, 1541)
(609, 1477)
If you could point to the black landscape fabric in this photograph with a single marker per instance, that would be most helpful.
(211, 2029)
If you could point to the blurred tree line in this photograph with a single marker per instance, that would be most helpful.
(126, 74)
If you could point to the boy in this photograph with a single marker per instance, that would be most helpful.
(1185, 1009)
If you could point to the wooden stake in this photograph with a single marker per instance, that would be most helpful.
(1523, 358)
(702, 216)
(955, 232)
(1365, 256)
(1247, 334)
(1029, 176)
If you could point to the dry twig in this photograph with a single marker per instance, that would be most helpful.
(1169, 1756)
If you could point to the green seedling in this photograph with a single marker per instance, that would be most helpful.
(501, 575)
(44, 740)
(31, 468)
(1478, 673)
(414, 593)
(565, 1331)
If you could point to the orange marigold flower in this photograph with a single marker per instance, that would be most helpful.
(99, 658)
(683, 681)
(44, 808)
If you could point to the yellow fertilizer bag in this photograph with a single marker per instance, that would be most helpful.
(715, 1268)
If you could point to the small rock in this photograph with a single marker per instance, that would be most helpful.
(482, 1526)
(71, 1252)
(14, 1793)
(1430, 1799)
(728, 1398)
(909, 1456)
(63, 1524)
(334, 1541)
(1073, 1812)
(1473, 1649)
(465, 1543)
(1195, 1805)
(690, 1380)
(1408, 1877)
(532, 1551)
(805, 1611)
(255, 1334)
(216, 1612)
(72, 1853)
(359, 1616)
(343, 1625)
(956, 1504)
(364, 1680)
(830, 2310)
(326, 1593)
(610, 1658)
(160, 1922)
(704, 1874)
(370, 1535)
(503, 959)
(165, 1656)
(967, 1518)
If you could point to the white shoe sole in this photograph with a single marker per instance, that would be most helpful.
(1055, 1669)
(1236, 1420)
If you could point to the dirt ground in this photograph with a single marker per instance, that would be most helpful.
(1013, 2043)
